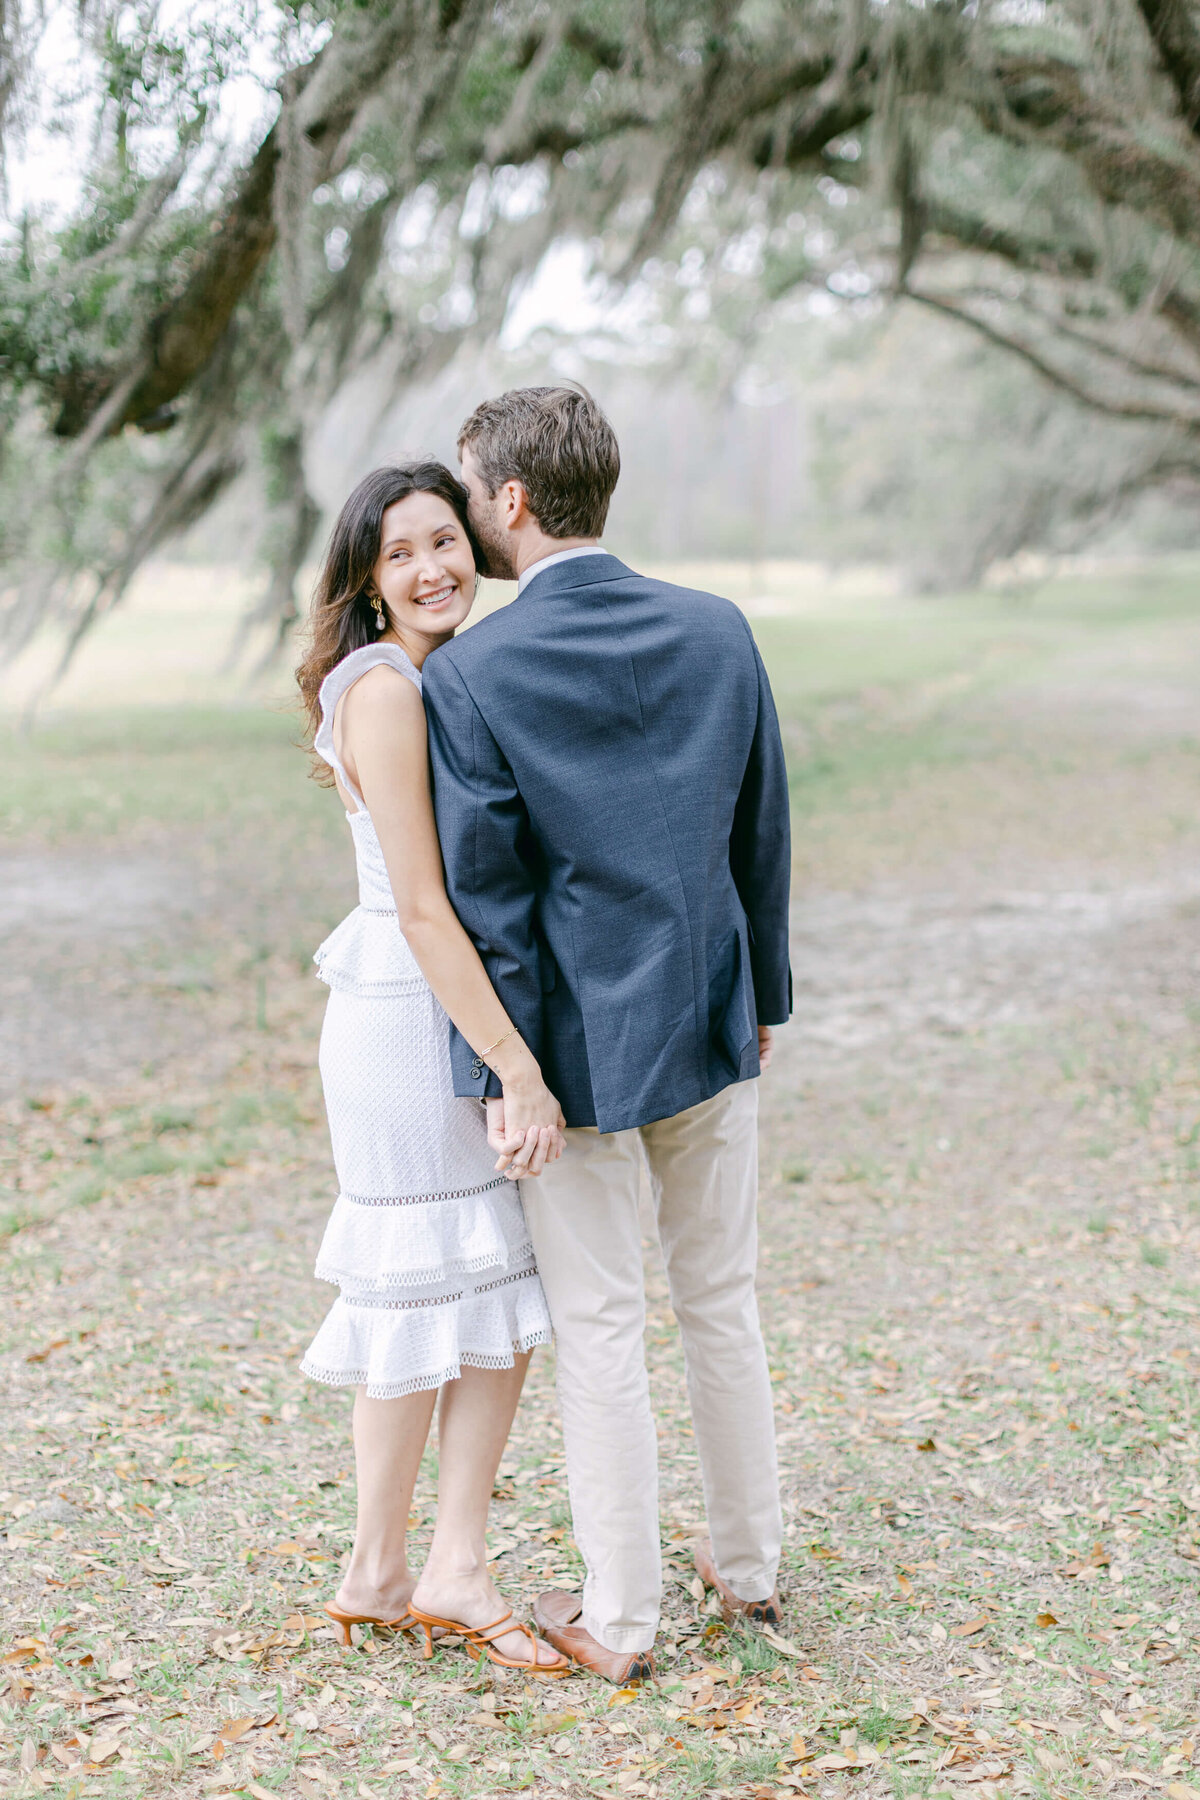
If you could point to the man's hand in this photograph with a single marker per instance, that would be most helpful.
(523, 1149)
(766, 1046)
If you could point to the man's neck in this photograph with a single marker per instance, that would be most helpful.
(535, 547)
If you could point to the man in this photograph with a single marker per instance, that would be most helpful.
(612, 802)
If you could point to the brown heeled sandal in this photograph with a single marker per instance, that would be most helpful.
(480, 1643)
(344, 1620)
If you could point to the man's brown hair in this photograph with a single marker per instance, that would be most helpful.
(558, 444)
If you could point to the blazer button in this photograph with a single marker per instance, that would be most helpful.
(476, 1074)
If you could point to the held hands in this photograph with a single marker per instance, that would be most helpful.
(525, 1128)
(526, 1125)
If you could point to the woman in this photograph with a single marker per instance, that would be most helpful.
(427, 1240)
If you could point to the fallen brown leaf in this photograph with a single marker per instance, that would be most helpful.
(970, 1626)
(235, 1729)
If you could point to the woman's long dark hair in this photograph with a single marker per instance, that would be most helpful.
(341, 617)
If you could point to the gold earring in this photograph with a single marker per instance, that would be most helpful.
(380, 617)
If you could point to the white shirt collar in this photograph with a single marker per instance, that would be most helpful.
(558, 556)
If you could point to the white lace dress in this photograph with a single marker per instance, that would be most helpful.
(427, 1244)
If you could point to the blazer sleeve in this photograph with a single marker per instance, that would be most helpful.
(485, 838)
(760, 855)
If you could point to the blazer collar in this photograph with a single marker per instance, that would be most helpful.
(578, 572)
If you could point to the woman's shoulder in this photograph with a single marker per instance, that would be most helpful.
(375, 668)
(382, 690)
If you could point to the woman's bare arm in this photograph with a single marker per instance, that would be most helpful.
(383, 744)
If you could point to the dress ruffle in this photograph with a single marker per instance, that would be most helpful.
(418, 1240)
(366, 954)
(394, 1346)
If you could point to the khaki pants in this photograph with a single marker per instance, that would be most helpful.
(583, 1219)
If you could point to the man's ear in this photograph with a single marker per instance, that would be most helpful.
(516, 506)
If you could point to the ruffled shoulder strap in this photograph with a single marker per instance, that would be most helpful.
(339, 681)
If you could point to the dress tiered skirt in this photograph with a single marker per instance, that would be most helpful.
(427, 1245)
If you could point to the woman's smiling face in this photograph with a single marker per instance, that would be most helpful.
(425, 572)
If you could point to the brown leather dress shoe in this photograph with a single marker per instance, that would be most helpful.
(734, 1610)
(558, 1615)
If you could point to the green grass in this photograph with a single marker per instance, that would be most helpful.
(981, 636)
(867, 704)
(200, 1141)
(114, 776)
(879, 1726)
(753, 1651)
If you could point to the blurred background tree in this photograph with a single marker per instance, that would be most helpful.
(270, 207)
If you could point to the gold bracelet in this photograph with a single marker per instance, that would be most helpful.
(481, 1058)
(511, 1032)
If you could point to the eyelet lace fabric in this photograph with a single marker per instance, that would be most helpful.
(427, 1245)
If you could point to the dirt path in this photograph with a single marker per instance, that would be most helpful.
(981, 1209)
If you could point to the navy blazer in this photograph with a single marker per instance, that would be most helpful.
(613, 809)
